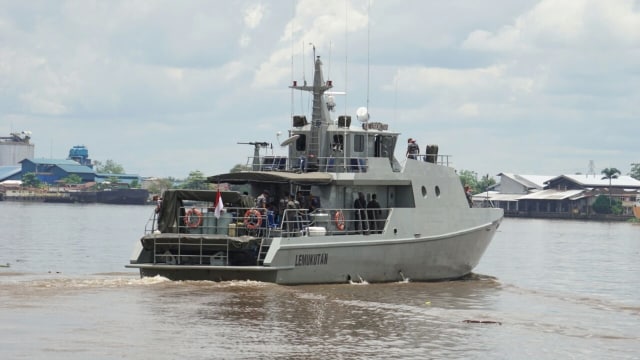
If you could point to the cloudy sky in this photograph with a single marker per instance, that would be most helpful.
(167, 87)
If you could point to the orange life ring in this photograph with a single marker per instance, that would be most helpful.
(252, 219)
(193, 218)
(339, 220)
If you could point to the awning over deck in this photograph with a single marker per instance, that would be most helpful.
(310, 178)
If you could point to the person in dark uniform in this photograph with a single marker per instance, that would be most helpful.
(360, 204)
(374, 213)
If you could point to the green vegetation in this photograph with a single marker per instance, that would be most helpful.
(239, 168)
(610, 173)
(31, 180)
(470, 178)
(72, 179)
(196, 180)
(635, 171)
(110, 167)
(606, 205)
(160, 185)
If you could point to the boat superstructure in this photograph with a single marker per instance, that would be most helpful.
(320, 224)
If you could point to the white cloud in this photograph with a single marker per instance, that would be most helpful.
(551, 24)
(469, 110)
(489, 81)
(253, 15)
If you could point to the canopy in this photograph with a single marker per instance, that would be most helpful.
(310, 178)
(173, 199)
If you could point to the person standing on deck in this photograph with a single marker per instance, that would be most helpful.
(314, 203)
(413, 150)
(374, 213)
(469, 195)
(282, 205)
(360, 204)
(293, 218)
(303, 205)
(262, 200)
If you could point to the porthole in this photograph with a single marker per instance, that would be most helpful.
(424, 191)
(437, 191)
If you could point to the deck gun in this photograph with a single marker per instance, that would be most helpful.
(256, 151)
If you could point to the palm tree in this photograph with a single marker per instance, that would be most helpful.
(610, 173)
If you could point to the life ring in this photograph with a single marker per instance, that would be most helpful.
(339, 220)
(252, 219)
(193, 218)
(169, 259)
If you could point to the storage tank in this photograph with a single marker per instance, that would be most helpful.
(15, 148)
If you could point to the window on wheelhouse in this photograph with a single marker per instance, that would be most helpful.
(338, 143)
(301, 143)
(358, 143)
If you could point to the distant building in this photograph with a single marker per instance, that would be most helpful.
(51, 171)
(80, 154)
(10, 173)
(127, 179)
(15, 148)
(563, 196)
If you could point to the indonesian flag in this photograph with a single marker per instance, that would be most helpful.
(219, 205)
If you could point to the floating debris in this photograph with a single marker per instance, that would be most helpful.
(482, 322)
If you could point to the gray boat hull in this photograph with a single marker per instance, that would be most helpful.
(370, 258)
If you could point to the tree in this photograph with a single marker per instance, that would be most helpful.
(469, 178)
(604, 206)
(477, 186)
(72, 179)
(485, 183)
(113, 180)
(610, 173)
(110, 167)
(160, 185)
(635, 171)
(196, 180)
(30, 180)
(239, 168)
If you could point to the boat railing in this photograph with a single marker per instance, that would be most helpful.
(329, 164)
(443, 160)
(201, 238)
(302, 164)
(265, 223)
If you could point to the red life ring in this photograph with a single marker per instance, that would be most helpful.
(339, 220)
(252, 219)
(193, 218)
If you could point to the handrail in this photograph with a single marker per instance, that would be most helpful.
(329, 164)
(236, 221)
(210, 242)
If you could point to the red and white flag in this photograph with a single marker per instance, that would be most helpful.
(219, 205)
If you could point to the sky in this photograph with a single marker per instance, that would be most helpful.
(165, 88)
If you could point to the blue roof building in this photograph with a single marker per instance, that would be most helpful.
(10, 172)
(50, 171)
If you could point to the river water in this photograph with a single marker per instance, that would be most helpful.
(548, 290)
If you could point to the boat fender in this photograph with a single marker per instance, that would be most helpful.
(338, 217)
(252, 219)
(193, 218)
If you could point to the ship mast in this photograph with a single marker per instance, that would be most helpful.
(319, 119)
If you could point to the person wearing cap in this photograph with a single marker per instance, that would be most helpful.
(412, 149)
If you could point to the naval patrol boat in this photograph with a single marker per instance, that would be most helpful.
(308, 217)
